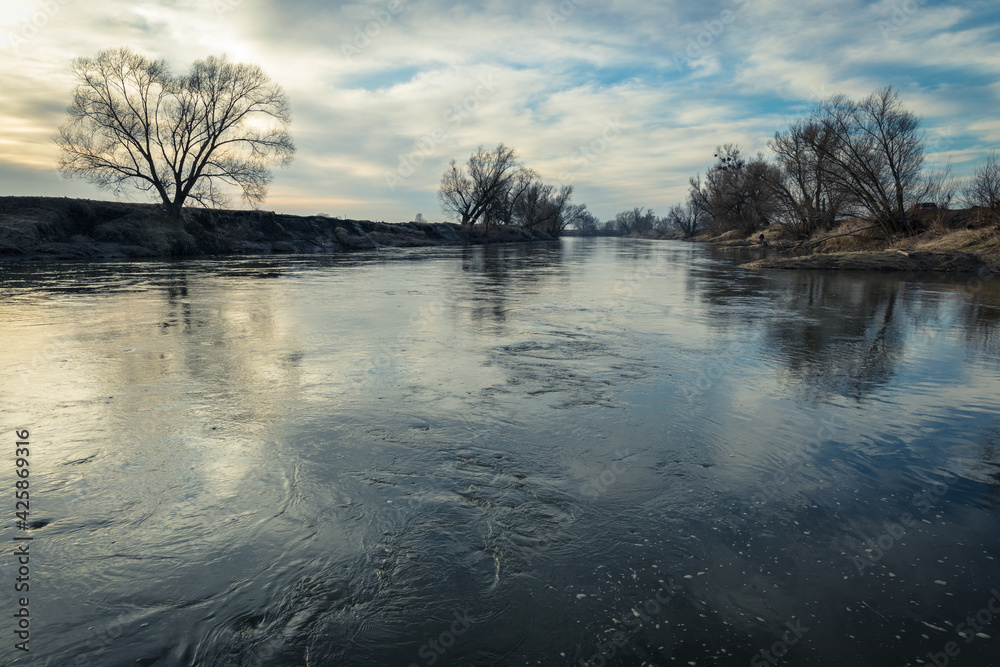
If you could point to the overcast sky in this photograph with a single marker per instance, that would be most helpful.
(624, 100)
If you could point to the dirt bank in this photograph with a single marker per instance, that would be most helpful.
(961, 241)
(950, 262)
(39, 228)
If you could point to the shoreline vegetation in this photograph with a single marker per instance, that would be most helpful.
(55, 228)
(846, 186)
(58, 228)
(947, 241)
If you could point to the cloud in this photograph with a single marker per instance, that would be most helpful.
(386, 92)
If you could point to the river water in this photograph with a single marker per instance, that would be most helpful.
(601, 451)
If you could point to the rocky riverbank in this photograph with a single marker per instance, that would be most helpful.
(44, 228)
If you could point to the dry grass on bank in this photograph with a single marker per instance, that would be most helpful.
(965, 240)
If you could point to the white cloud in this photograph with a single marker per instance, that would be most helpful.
(413, 92)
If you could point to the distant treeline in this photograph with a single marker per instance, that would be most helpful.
(847, 159)
(224, 126)
(495, 189)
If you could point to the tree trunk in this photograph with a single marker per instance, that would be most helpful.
(173, 208)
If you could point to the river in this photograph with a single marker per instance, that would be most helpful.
(599, 451)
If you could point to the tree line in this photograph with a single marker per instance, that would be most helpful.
(847, 159)
(494, 188)
(224, 125)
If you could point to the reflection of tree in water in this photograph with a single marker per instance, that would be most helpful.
(178, 304)
(857, 347)
(579, 250)
(545, 356)
(847, 335)
(732, 303)
(841, 334)
(221, 342)
(637, 251)
(984, 466)
(981, 324)
(496, 275)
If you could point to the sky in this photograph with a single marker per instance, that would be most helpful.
(623, 100)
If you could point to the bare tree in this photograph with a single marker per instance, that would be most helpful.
(686, 218)
(544, 208)
(736, 193)
(505, 206)
(585, 222)
(133, 124)
(807, 196)
(468, 196)
(457, 195)
(877, 156)
(576, 216)
(611, 228)
(635, 221)
(983, 190)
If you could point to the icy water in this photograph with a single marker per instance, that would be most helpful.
(595, 452)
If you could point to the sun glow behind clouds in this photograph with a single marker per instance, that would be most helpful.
(412, 81)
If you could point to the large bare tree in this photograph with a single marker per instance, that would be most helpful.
(808, 197)
(877, 156)
(193, 137)
(470, 195)
(584, 221)
(737, 193)
(686, 218)
(545, 208)
(494, 188)
(504, 206)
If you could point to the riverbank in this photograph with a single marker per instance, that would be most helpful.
(962, 241)
(50, 228)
